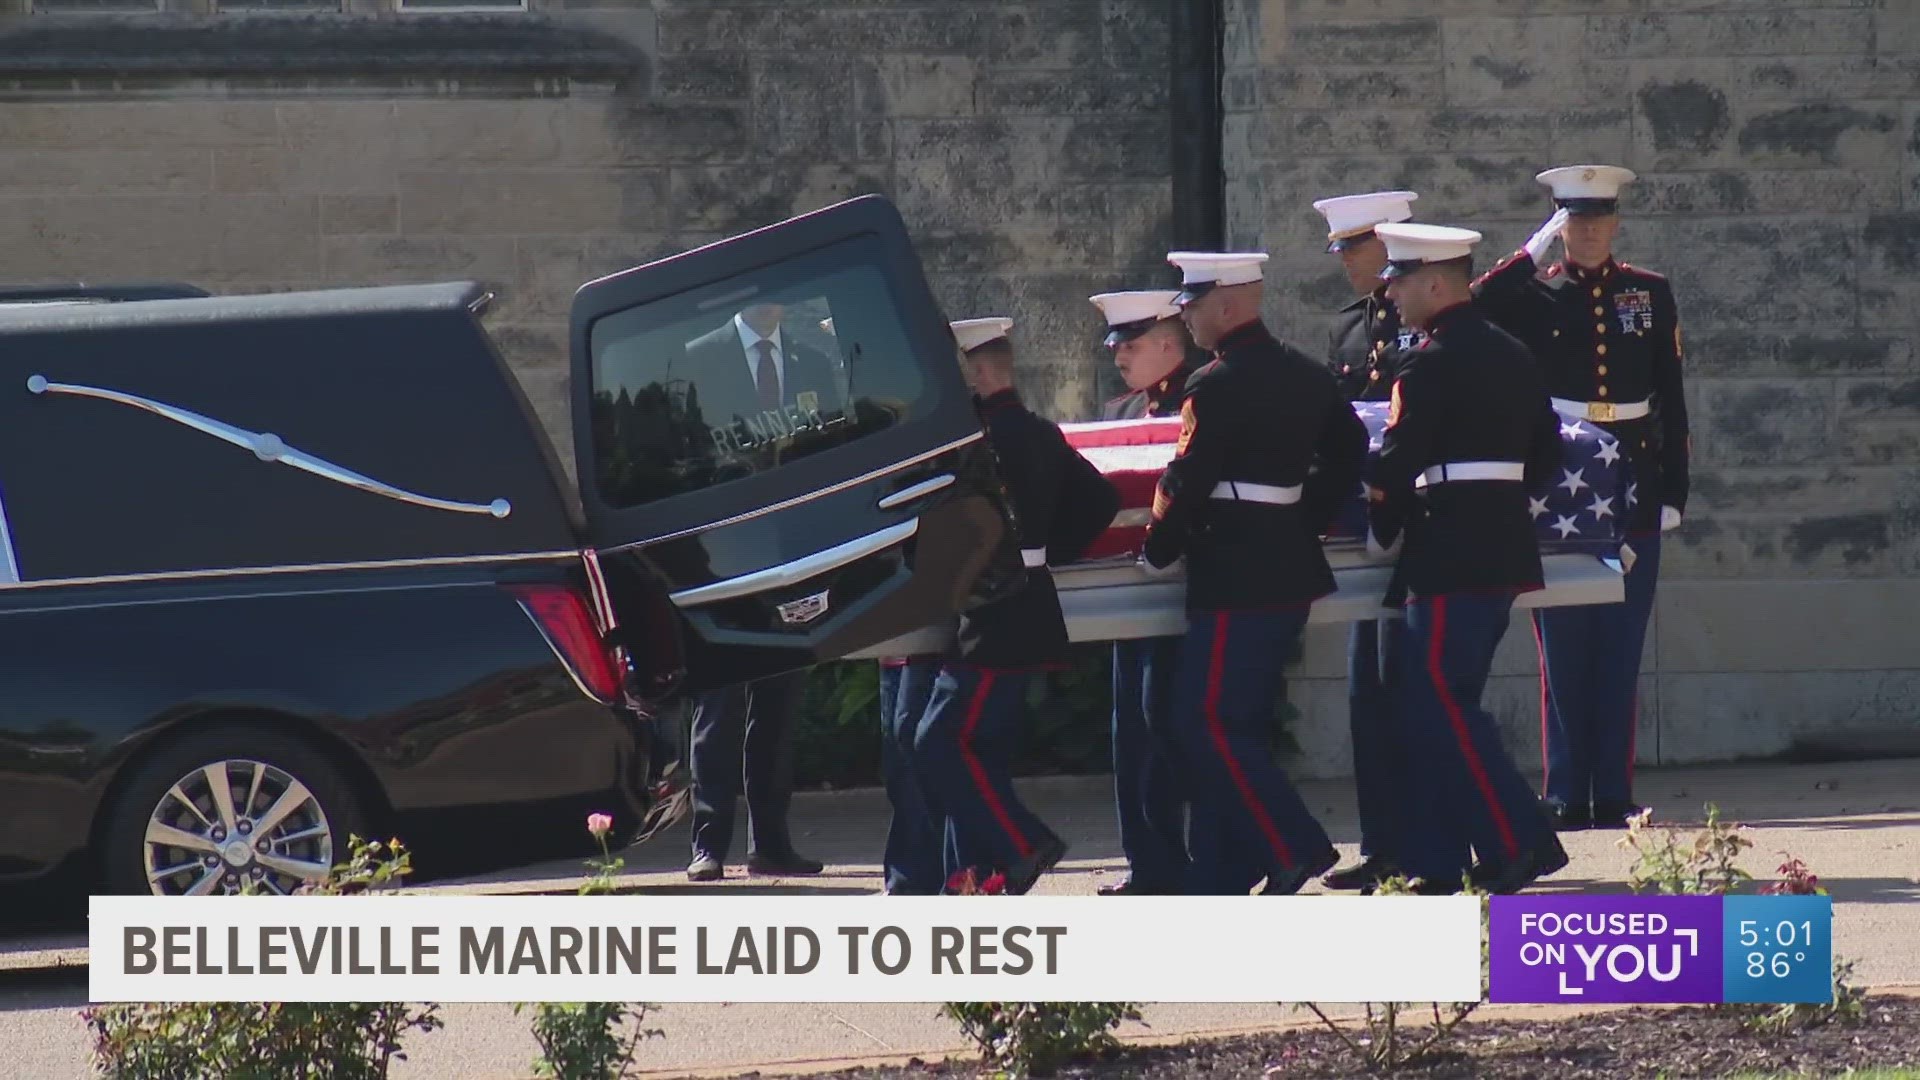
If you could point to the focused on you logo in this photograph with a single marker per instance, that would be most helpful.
(1660, 949)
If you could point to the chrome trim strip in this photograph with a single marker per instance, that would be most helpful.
(830, 489)
(298, 568)
(918, 491)
(269, 447)
(773, 577)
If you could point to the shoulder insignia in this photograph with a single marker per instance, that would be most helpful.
(1393, 406)
(1187, 423)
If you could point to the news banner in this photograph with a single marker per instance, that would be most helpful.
(1562, 948)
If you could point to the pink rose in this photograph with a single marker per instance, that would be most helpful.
(599, 824)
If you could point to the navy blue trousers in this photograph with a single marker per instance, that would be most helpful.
(916, 835)
(963, 755)
(1465, 794)
(1230, 682)
(1590, 677)
(745, 733)
(1146, 788)
(1373, 672)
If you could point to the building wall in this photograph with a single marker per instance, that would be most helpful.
(1778, 147)
(1026, 143)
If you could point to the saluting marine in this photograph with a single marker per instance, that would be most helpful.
(1268, 452)
(1469, 431)
(1149, 346)
(963, 750)
(1607, 335)
(1364, 351)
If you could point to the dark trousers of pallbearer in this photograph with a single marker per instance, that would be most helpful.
(1373, 672)
(1228, 685)
(1590, 675)
(1463, 792)
(913, 863)
(1146, 789)
(963, 756)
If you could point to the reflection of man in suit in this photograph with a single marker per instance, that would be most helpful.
(757, 383)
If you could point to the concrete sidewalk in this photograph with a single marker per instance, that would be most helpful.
(1857, 825)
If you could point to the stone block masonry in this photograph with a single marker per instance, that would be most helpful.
(1778, 147)
(1028, 143)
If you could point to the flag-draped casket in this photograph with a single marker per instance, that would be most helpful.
(1581, 512)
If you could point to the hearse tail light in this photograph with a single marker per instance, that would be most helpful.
(567, 622)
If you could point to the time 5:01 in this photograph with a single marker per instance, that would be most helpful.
(1783, 933)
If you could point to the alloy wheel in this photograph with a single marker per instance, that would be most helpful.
(234, 826)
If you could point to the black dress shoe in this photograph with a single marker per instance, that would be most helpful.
(783, 864)
(1363, 875)
(1287, 882)
(1565, 818)
(1547, 858)
(705, 868)
(1612, 815)
(1025, 873)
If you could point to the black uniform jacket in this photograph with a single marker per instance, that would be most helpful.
(1261, 412)
(1471, 393)
(1161, 399)
(1365, 346)
(1060, 504)
(1606, 335)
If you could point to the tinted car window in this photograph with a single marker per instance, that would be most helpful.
(676, 403)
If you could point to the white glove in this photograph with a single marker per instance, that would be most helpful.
(1542, 240)
(1669, 519)
(1168, 570)
(1384, 554)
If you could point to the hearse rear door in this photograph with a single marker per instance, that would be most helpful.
(779, 518)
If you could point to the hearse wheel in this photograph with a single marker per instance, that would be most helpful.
(230, 807)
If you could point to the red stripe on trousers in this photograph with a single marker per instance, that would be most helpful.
(1546, 765)
(979, 771)
(1460, 733)
(1216, 665)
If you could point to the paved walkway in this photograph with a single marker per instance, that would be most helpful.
(1857, 825)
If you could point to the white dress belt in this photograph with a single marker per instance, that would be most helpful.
(1604, 412)
(1242, 491)
(1032, 557)
(1471, 470)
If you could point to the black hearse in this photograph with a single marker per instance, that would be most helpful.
(279, 568)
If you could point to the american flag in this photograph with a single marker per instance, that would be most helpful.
(1582, 511)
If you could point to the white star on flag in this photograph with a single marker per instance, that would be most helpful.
(1536, 507)
(1601, 508)
(1572, 431)
(1631, 497)
(1566, 526)
(1572, 483)
(1608, 453)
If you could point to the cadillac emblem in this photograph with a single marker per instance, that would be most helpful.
(804, 610)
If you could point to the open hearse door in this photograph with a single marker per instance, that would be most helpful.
(779, 461)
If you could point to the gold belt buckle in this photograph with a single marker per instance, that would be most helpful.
(1600, 411)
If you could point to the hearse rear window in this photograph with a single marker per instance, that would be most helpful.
(741, 376)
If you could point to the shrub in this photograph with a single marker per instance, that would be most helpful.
(267, 1040)
(591, 1040)
(1032, 1038)
(1704, 867)
(1849, 1004)
(1384, 1044)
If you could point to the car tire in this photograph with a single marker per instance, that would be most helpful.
(285, 834)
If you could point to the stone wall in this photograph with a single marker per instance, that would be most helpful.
(1026, 143)
(1778, 145)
